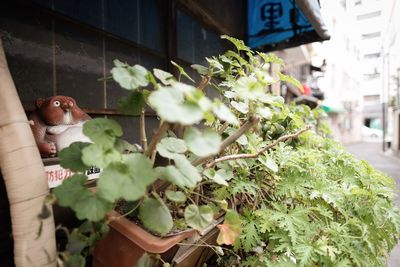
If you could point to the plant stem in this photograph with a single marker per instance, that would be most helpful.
(125, 214)
(203, 196)
(264, 149)
(204, 82)
(236, 135)
(232, 138)
(156, 138)
(223, 128)
(143, 136)
(205, 244)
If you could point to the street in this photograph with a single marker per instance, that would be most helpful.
(372, 152)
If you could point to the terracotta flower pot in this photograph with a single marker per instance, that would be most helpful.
(126, 242)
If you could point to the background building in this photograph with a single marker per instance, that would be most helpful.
(353, 81)
(341, 82)
(391, 78)
(369, 22)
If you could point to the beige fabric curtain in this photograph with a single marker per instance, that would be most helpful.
(24, 177)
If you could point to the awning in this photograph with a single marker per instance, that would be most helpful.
(279, 24)
(332, 106)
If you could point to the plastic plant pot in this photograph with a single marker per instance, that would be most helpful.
(126, 242)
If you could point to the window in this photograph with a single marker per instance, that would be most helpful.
(371, 98)
(372, 55)
(370, 35)
(343, 4)
(369, 15)
(371, 76)
(49, 54)
(194, 41)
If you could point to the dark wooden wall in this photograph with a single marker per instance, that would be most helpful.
(65, 46)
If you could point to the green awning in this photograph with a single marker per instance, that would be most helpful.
(332, 107)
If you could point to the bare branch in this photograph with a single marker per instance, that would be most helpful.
(244, 128)
(264, 149)
(232, 138)
(223, 128)
(156, 138)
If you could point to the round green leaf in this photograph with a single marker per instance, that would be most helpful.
(204, 143)
(130, 77)
(128, 179)
(75, 261)
(183, 174)
(182, 71)
(102, 131)
(188, 90)
(132, 104)
(169, 146)
(239, 44)
(123, 146)
(95, 155)
(265, 112)
(145, 261)
(71, 157)
(91, 206)
(70, 189)
(87, 205)
(269, 163)
(220, 176)
(200, 69)
(155, 216)
(176, 196)
(248, 88)
(198, 217)
(242, 107)
(230, 229)
(223, 113)
(165, 77)
(170, 105)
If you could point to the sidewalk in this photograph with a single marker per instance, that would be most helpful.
(372, 152)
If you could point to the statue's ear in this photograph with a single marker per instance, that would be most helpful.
(39, 102)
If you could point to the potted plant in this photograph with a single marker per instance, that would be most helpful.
(317, 207)
(191, 176)
(248, 161)
(132, 177)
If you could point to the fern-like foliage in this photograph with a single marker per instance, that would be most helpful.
(306, 201)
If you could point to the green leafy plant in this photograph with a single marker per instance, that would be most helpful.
(290, 196)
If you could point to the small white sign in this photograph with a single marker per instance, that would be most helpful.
(56, 174)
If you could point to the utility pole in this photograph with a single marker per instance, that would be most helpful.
(383, 99)
(398, 88)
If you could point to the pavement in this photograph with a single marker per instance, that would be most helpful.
(387, 163)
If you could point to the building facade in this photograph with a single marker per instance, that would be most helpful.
(341, 82)
(57, 47)
(391, 77)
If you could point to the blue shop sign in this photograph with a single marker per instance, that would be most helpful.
(273, 22)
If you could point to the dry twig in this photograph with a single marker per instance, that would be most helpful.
(257, 154)
(232, 138)
(156, 138)
(223, 128)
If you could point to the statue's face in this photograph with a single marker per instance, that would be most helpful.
(59, 110)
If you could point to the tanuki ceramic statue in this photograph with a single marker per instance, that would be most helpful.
(57, 122)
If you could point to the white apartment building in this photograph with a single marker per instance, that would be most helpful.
(342, 81)
(391, 70)
(355, 62)
(370, 21)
